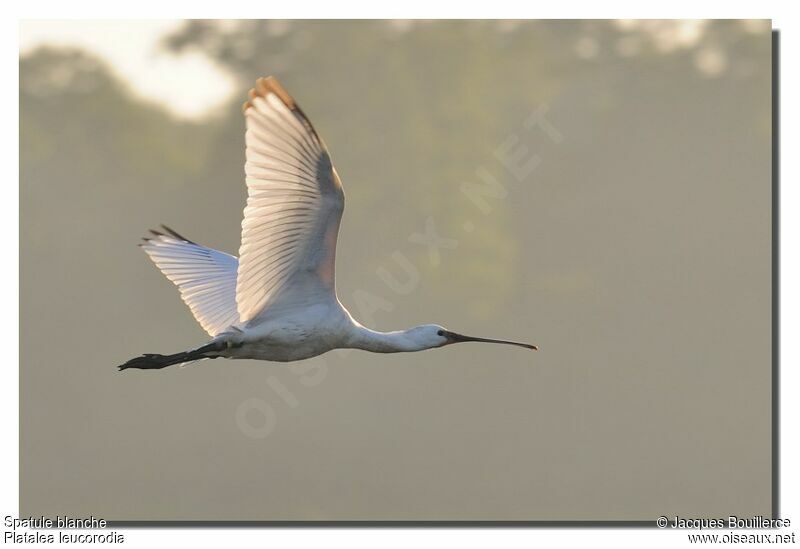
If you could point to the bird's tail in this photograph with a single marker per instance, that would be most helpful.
(155, 362)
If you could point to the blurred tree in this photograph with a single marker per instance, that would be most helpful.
(411, 111)
(419, 106)
(392, 98)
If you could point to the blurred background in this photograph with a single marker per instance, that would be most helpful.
(630, 240)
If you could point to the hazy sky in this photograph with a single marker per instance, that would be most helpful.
(187, 84)
(637, 256)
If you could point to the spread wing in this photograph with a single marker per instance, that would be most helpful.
(206, 278)
(294, 203)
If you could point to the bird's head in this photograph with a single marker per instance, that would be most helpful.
(432, 335)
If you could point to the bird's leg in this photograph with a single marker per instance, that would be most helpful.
(156, 362)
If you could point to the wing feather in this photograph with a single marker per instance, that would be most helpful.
(206, 278)
(294, 204)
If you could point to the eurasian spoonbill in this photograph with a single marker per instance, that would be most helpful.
(277, 301)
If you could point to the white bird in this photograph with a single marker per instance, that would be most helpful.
(277, 301)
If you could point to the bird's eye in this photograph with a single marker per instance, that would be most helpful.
(440, 333)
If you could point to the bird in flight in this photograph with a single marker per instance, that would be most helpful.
(277, 301)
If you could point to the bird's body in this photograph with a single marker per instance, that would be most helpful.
(277, 301)
(300, 333)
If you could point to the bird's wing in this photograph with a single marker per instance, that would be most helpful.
(206, 278)
(294, 203)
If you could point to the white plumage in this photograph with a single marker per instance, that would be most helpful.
(277, 301)
(294, 202)
(206, 278)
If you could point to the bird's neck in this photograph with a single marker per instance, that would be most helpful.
(382, 342)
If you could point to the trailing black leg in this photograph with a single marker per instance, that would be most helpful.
(156, 362)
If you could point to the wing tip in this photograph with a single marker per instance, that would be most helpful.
(264, 86)
(267, 84)
(270, 84)
(177, 235)
(168, 233)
